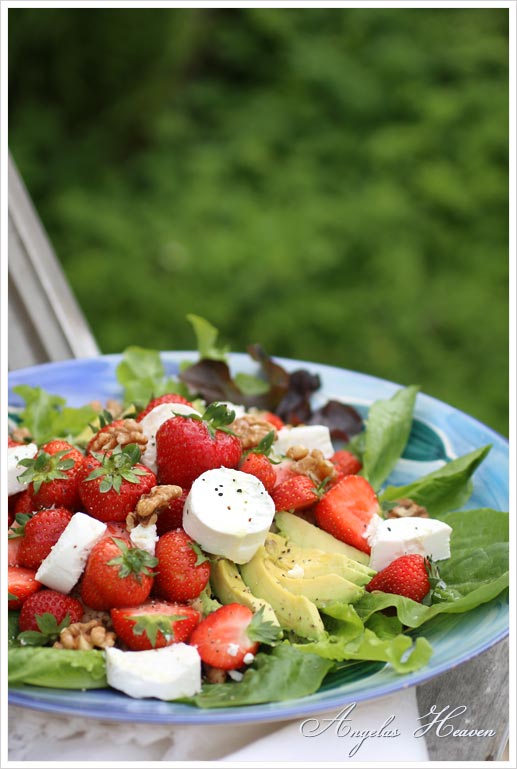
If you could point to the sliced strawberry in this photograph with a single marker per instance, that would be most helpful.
(183, 570)
(346, 510)
(167, 398)
(13, 547)
(154, 624)
(296, 493)
(346, 462)
(284, 470)
(260, 466)
(407, 576)
(22, 584)
(226, 637)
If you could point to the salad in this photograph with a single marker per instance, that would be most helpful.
(217, 539)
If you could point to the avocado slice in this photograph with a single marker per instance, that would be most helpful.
(315, 563)
(294, 612)
(229, 587)
(320, 590)
(306, 534)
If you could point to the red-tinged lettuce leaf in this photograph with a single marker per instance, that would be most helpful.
(212, 380)
(343, 421)
(295, 407)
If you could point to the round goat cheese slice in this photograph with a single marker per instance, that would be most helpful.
(228, 513)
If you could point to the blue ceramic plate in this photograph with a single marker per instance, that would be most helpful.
(439, 432)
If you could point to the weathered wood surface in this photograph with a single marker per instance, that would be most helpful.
(45, 320)
(482, 685)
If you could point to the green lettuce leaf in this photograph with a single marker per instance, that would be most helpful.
(386, 434)
(346, 638)
(58, 668)
(442, 490)
(206, 338)
(476, 572)
(284, 673)
(46, 416)
(142, 376)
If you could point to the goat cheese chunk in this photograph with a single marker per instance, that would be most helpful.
(152, 422)
(228, 513)
(310, 436)
(65, 563)
(14, 469)
(167, 674)
(395, 537)
(144, 537)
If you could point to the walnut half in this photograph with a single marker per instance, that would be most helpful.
(251, 430)
(84, 636)
(119, 434)
(407, 508)
(149, 505)
(311, 463)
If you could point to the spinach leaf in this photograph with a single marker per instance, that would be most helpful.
(387, 431)
(444, 489)
(284, 673)
(476, 572)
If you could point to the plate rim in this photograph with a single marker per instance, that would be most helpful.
(266, 712)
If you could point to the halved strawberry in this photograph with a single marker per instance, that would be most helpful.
(154, 624)
(296, 493)
(226, 637)
(21, 584)
(346, 510)
(167, 398)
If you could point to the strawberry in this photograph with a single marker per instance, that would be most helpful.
(346, 509)
(183, 570)
(284, 470)
(13, 547)
(407, 576)
(260, 466)
(116, 575)
(12, 442)
(21, 583)
(115, 483)
(39, 534)
(53, 475)
(188, 446)
(49, 602)
(226, 636)
(25, 503)
(154, 625)
(346, 462)
(273, 419)
(167, 398)
(296, 493)
(171, 517)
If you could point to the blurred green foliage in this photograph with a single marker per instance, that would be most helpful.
(329, 182)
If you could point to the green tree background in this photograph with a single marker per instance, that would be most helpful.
(330, 182)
